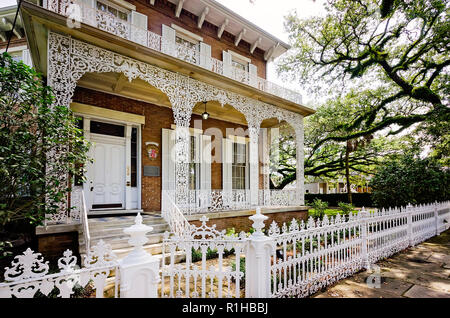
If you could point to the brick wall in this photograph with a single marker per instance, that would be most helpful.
(163, 12)
(243, 223)
(52, 246)
(156, 118)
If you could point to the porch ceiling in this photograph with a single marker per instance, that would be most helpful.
(38, 21)
(118, 84)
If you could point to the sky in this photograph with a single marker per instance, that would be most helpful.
(268, 15)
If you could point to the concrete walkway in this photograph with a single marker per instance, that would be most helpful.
(422, 271)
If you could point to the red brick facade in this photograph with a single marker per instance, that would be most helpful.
(243, 223)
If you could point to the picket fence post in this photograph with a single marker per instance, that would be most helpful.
(139, 270)
(259, 250)
(364, 215)
(436, 218)
(409, 211)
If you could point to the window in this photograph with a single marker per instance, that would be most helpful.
(239, 166)
(239, 65)
(16, 56)
(112, 9)
(239, 61)
(134, 157)
(190, 44)
(194, 168)
(107, 129)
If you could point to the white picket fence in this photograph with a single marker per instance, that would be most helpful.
(295, 260)
(314, 255)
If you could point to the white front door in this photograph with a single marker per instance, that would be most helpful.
(107, 173)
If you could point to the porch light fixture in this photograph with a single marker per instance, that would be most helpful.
(205, 115)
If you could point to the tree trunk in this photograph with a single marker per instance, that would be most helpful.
(347, 172)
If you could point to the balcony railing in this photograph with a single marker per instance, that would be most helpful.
(124, 29)
(210, 201)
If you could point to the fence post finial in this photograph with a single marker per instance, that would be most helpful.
(139, 270)
(258, 222)
(257, 261)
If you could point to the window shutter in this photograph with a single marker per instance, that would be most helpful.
(206, 163)
(226, 60)
(168, 159)
(247, 165)
(26, 57)
(205, 171)
(168, 40)
(253, 72)
(139, 28)
(88, 12)
(227, 156)
(205, 55)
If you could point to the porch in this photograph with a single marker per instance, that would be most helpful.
(141, 94)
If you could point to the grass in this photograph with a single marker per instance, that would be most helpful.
(328, 212)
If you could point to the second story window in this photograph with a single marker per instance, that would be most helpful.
(186, 42)
(239, 65)
(119, 13)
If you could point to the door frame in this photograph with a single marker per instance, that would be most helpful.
(127, 193)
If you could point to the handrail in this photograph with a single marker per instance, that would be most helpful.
(124, 29)
(172, 214)
(85, 223)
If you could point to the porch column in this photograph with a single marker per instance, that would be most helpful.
(128, 167)
(181, 165)
(265, 155)
(254, 173)
(300, 169)
(183, 101)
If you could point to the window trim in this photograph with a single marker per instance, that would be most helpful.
(242, 166)
(186, 35)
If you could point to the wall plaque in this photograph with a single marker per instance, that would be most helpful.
(151, 171)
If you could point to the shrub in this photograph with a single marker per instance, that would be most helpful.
(410, 179)
(319, 207)
(32, 127)
(346, 208)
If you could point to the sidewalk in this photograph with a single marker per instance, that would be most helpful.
(422, 271)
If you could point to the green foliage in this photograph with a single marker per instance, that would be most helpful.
(383, 67)
(40, 146)
(409, 179)
(241, 268)
(196, 255)
(346, 208)
(319, 207)
(4, 246)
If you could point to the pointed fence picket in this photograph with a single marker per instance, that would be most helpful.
(294, 260)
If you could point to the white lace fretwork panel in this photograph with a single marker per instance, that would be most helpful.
(69, 59)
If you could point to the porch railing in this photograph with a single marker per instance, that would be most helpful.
(210, 201)
(124, 29)
(85, 223)
(173, 215)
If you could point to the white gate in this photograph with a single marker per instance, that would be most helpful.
(211, 266)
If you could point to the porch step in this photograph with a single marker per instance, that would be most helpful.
(113, 212)
(110, 230)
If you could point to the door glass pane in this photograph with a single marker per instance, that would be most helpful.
(134, 157)
(107, 129)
